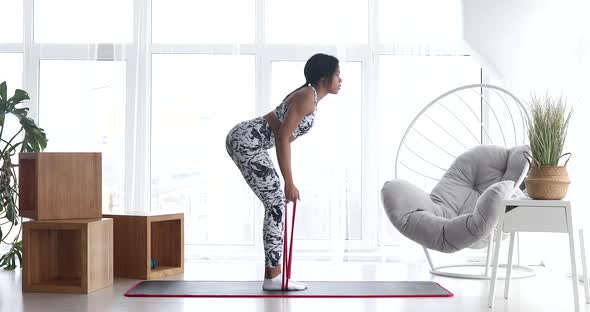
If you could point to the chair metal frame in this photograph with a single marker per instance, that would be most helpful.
(442, 270)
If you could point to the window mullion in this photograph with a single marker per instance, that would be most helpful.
(261, 99)
(138, 118)
(31, 61)
(369, 197)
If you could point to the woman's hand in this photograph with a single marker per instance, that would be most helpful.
(291, 192)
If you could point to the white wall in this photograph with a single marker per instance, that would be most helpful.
(541, 46)
(528, 43)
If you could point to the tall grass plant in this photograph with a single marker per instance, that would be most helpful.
(548, 123)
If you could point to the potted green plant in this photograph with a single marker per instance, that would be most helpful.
(29, 138)
(547, 130)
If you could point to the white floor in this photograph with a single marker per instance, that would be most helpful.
(545, 292)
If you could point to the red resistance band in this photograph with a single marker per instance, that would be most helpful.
(288, 252)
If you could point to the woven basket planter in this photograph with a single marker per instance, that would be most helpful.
(547, 182)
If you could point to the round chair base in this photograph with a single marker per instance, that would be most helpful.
(518, 271)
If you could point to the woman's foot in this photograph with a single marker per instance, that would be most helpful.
(275, 284)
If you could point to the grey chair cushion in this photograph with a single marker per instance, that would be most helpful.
(464, 206)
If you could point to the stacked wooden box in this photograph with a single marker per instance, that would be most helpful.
(147, 245)
(68, 247)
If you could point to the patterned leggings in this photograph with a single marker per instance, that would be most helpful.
(247, 143)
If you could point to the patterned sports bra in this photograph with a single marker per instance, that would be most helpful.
(307, 121)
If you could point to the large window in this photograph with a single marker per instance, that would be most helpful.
(190, 21)
(12, 70)
(406, 85)
(82, 21)
(12, 73)
(194, 105)
(329, 182)
(11, 22)
(156, 85)
(317, 22)
(82, 109)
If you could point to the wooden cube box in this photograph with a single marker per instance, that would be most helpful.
(55, 186)
(139, 237)
(67, 256)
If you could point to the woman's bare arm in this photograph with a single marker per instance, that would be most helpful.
(300, 105)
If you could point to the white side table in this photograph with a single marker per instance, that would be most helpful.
(528, 215)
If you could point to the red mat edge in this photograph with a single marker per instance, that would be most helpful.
(282, 295)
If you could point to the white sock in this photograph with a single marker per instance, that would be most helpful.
(275, 284)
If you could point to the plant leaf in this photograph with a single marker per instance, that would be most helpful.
(35, 139)
(3, 92)
(19, 254)
(21, 112)
(10, 213)
(8, 260)
(17, 98)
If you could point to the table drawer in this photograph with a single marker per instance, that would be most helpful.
(536, 219)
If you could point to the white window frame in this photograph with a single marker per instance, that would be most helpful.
(137, 136)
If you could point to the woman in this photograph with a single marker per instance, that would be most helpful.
(248, 142)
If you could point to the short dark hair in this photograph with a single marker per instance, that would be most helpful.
(317, 67)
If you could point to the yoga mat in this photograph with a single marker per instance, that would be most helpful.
(253, 289)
